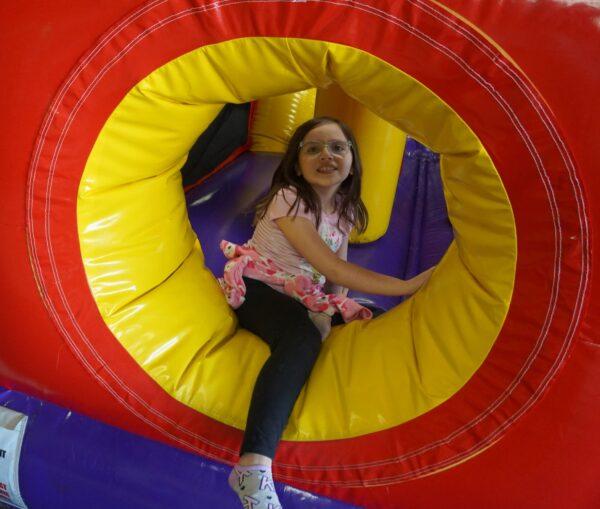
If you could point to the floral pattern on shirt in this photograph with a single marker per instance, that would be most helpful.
(332, 236)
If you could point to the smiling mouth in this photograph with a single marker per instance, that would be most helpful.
(326, 170)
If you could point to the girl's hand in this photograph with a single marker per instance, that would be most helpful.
(413, 284)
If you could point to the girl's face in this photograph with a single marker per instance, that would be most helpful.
(325, 157)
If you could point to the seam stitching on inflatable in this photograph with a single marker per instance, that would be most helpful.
(498, 61)
(536, 158)
(48, 243)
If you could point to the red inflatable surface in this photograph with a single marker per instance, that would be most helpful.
(550, 457)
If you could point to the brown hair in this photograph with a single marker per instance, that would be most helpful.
(350, 206)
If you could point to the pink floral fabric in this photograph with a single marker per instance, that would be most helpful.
(246, 261)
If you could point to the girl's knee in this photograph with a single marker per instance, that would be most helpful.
(322, 322)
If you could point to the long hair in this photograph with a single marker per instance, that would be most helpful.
(350, 206)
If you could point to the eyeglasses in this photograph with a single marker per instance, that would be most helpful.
(335, 147)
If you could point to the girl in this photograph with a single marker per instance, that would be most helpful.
(291, 277)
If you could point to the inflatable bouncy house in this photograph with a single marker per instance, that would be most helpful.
(137, 135)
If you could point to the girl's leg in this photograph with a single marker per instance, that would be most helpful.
(295, 343)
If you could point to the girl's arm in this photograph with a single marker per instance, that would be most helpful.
(303, 236)
(342, 254)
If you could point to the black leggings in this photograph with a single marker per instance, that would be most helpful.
(295, 342)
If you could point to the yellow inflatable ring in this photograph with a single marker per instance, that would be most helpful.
(167, 310)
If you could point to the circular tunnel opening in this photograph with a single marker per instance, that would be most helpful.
(230, 166)
(147, 271)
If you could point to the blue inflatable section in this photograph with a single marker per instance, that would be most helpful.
(69, 461)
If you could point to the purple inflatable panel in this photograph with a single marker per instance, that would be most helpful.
(69, 461)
